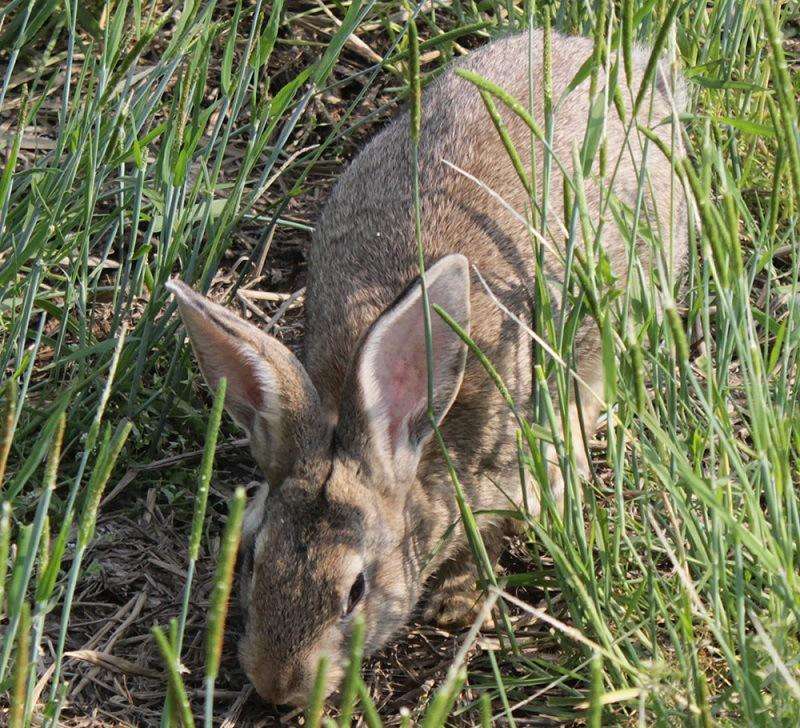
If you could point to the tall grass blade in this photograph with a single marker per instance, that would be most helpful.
(220, 594)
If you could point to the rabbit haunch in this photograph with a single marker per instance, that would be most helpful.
(359, 496)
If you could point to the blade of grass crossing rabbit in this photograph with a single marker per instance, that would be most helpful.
(415, 120)
(547, 107)
(548, 503)
(503, 95)
(473, 533)
(531, 433)
(474, 539)
(415, 116)
(349, 688)
(316, 701)
(502, 131)
(515, 106)
(484, 563)
(543, 313)
(220, 594)
(523, 479)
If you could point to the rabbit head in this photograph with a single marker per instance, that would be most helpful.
(335, 531)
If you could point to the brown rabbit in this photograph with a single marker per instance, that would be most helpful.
(357, 497)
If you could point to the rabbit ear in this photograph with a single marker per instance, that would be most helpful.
(268, 391)
(392, 369)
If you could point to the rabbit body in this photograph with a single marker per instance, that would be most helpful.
(364, 252)
(359, 497)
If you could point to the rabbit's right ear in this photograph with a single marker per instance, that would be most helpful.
(268, 391)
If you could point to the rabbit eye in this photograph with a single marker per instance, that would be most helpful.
(356, 593)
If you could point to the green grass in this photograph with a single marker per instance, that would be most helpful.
(140, 140)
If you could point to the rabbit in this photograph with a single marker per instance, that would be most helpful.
(358, 497)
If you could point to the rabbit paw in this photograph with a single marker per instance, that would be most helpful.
(555, 476)
(455, 609)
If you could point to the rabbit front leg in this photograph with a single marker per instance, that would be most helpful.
(455, 599)
(584, 411)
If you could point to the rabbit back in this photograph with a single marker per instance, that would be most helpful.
(472, 202)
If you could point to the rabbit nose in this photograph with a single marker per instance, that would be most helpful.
(277, 688)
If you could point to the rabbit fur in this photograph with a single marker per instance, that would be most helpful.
(358, 497)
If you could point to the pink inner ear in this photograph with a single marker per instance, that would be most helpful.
(401, 371)
(394, 371)
(225, 359)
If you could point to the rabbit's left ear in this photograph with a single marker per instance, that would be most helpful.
(268, 391)
(392, 367)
